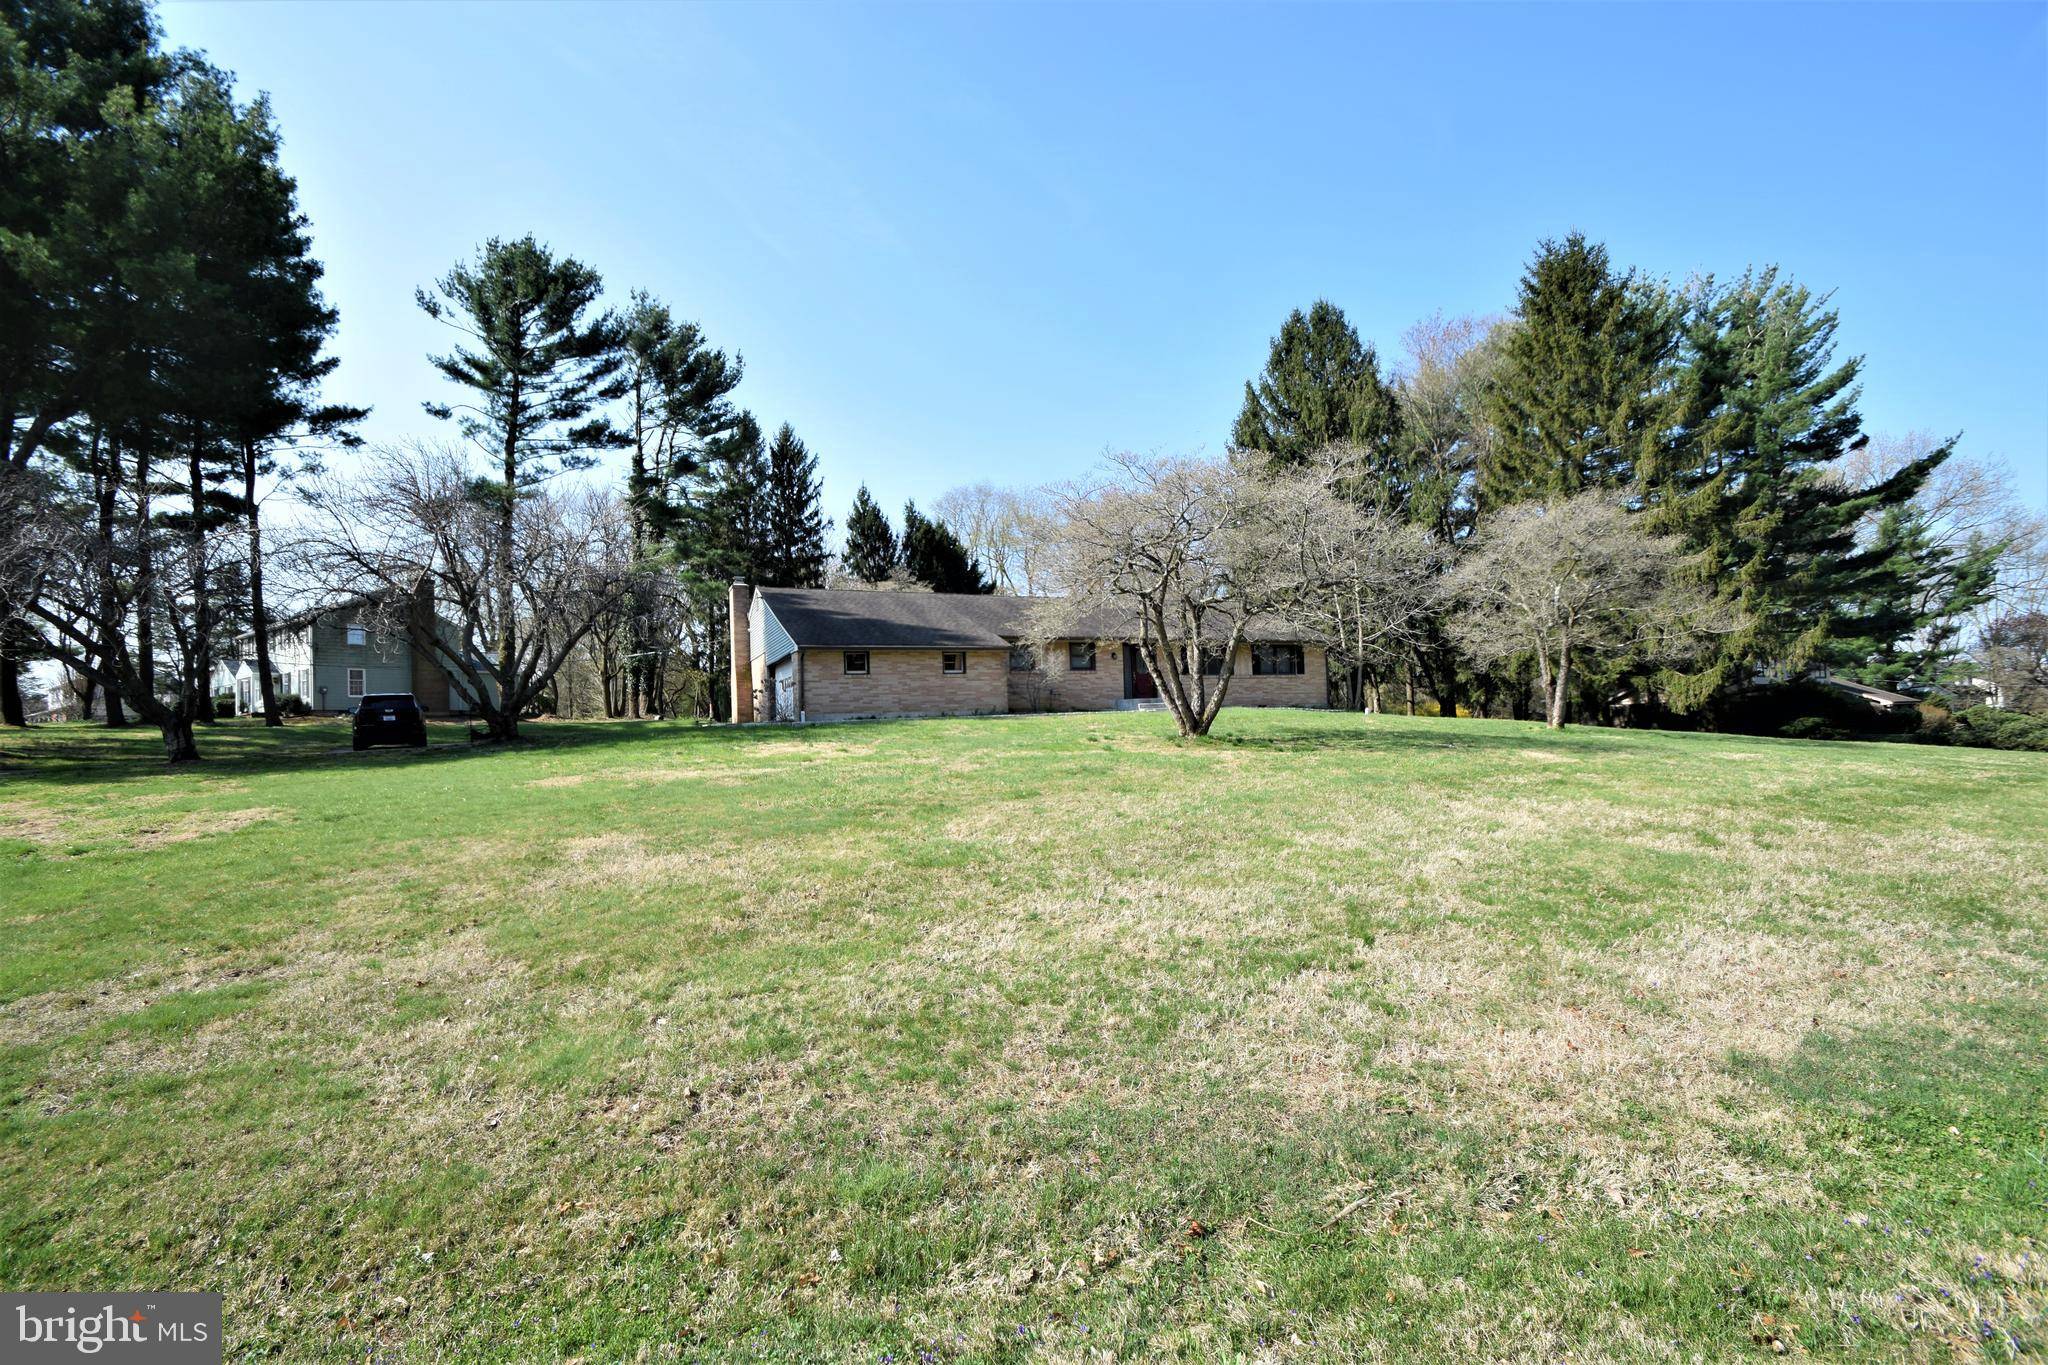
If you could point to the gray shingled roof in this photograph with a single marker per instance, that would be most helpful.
(838, 618)
(1875, 696)
(855, 618)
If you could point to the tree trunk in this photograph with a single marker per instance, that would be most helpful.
(1408, 685)
(106, 488)
(145, 588)
(508, 642)
(200, 670)
(636, 621)
(1443, 680)
(179, 745)
(501, 723)
(1560, 687)
(11, 710)
(259, 615)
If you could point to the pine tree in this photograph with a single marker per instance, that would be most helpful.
(797, 525)
(1763, 414)
(934, 556)
(678, 392)
(726, 536)
(85, 83)
(78, 149)
(538, 366)
(678, 403)
(871, 550)
(1907, 635)
(1321, 386)
(266, 342)
(1579, 396)
(721, 536)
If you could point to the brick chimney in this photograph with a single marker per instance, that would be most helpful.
(742, 654)
(429, 678)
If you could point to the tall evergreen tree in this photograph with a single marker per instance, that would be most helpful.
(1578, 398)
(797, 525)
(679, 399)
(871, 549)
(934, 556)
(82, 84)
(268, 331)
(1321, 386)
(726, 523)
(1909, 634)
(1763, 414)
(722, 536)
(213, 328)
(540, 365)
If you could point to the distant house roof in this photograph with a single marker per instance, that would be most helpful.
(312, 614)
(875, 618)
(1870, 696)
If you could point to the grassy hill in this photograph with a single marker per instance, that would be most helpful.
(1332, 1037)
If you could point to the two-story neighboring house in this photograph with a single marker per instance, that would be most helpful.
(336, 655)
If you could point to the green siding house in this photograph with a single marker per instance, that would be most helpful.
(335, 656)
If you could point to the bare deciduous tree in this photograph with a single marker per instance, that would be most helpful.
(2013, 657)
(1189, 548)
(1444, 429)
(995, 524)
(414, 516)
(1362, 578)
(1568, 579)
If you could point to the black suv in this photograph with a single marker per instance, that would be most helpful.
(390, 718)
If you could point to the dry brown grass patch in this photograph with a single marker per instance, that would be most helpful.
(200, 824)
(47, 826)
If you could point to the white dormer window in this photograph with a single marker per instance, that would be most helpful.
(358, 635)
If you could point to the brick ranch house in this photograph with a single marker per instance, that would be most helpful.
(854, 654)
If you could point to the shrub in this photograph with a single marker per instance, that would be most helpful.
(1818, 712)
(224, 705)
(1812, 727)
(1986, 728)
(292, 704)
(1937, 724)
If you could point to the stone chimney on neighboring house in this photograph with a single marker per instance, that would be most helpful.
(742, 654)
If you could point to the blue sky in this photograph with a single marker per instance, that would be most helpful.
(982, 242)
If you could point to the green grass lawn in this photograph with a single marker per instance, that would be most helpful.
(1329, 1037)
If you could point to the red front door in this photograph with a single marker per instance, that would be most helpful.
(1138, 681)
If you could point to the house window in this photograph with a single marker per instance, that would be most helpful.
(1276, 658)
(355, 682)
(952, 661)
(358, 635)
(305, 684)
(1023, 658)
(1212, 661)
(1080, 656)
(856, 663)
